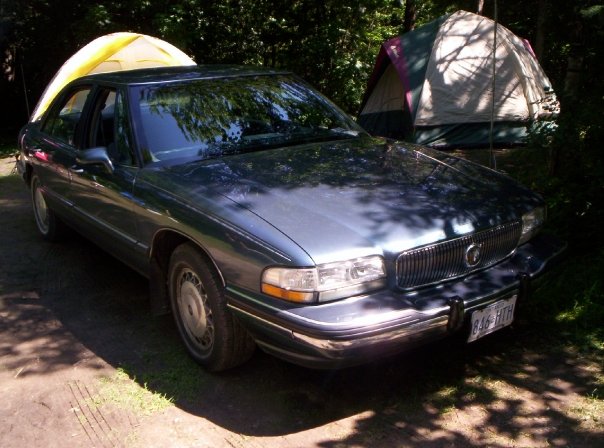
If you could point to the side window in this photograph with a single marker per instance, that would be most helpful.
(109, 127)
(62, 122)
(102, 123)
(123, 139)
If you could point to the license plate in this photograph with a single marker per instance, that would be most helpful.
(492, 318)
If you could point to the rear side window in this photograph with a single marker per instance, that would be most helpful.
(62, 122)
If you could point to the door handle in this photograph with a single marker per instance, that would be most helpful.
(76, 169)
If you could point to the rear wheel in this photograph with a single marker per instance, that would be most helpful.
(49, 225)
(213, 337)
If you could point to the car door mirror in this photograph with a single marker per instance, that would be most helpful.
(95, 156)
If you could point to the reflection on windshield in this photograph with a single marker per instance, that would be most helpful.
(211, 118)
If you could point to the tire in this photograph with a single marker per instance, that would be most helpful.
(212, 336)
(49, 225)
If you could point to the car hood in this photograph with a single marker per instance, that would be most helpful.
(350, 198)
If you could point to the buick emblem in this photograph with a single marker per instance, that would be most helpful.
(472, 255)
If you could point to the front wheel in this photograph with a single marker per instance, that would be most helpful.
(213, 337)
(49, 225)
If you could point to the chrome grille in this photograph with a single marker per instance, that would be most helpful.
(447, 260)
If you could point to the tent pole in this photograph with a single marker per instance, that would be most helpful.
(491, 153)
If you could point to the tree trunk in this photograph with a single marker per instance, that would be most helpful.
(540, 32)
(480, 8)
(410, 16)
(575, 60)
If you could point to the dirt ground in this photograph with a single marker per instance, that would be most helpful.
(83, 363)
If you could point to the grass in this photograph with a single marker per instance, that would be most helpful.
(173, 372)
(125, 393)
(570, 304)
(567, 312)
(590, 409)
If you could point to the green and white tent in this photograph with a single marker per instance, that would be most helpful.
(434, 85)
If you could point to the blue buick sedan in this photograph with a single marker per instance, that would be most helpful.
(264, 216)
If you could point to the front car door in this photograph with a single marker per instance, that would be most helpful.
(102, 196)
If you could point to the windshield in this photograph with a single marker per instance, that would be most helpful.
(211, 118)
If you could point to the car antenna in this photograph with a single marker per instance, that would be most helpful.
(24, 89)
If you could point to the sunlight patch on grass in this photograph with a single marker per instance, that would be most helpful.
(478, 389)
(173, 372)
(123, 392)
(585, 316)
(570, 305)
(589, 411)
(447, 393)
(587, 306)
(444, 399)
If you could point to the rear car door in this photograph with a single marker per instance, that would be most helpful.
(53, 149)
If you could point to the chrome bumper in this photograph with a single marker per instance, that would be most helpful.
(356, 330)
(401, 331)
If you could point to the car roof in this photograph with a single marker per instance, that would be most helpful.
(179, 73)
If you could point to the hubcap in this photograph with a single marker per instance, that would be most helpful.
(195, 313)
(41, 210)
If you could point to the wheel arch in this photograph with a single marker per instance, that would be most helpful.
(29, 171)
(163, 244)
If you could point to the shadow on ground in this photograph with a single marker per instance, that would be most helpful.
(507, 389)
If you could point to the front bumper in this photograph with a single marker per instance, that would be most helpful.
(359, 329)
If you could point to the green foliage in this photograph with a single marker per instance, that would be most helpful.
(541, 134)
(331, 44)
(572, 303)
(593, 12)
(568, 306)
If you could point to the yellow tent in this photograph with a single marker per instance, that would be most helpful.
(110, 53)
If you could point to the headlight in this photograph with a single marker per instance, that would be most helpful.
(325, 282)
(531, 223)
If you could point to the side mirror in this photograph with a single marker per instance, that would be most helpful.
(95, 156)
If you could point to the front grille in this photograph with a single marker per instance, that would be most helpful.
(448, 259)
